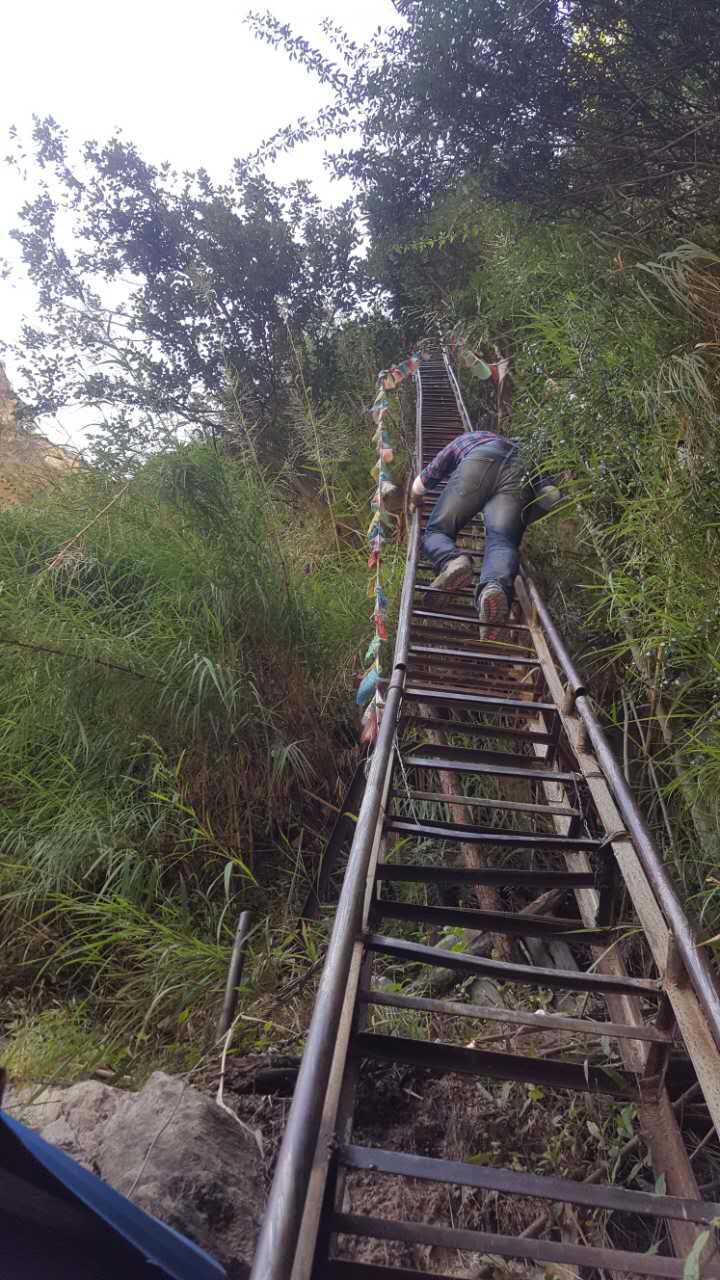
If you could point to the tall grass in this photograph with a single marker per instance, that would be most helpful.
(176, 680)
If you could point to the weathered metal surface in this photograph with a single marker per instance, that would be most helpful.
(540, 1021)
(237, 957)
(409, 872)
(490, 835)
(508, 922)
(430, 1055)
(616, 1260)
(510, 1182)
(531, 975)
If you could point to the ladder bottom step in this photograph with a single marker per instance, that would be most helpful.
(613, 1260)
(335, 1269)
(515, 1183)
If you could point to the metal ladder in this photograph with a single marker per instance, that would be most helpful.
(581, 843)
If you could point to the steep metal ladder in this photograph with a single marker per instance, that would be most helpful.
(581, 843)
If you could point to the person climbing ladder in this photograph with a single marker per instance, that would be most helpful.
(485, 473)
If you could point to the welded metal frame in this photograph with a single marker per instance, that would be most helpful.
(292, 1219)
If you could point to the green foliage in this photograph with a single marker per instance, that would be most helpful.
(556, 105)
(176, 678)
(57, 1044)
(155, 292)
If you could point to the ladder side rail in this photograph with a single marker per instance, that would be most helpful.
(282, 1222)
(468, 426)
(693, 959)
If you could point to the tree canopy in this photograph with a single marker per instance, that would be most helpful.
(161, 294)
(551, 103)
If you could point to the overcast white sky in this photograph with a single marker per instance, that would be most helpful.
(186, 82)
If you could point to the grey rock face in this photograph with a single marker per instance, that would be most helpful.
(170, 1150)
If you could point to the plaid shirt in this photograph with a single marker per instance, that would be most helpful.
(445, 462)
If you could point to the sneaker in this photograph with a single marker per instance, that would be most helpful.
(457, 573)
(493, 609)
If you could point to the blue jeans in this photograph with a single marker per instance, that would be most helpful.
(491, 482)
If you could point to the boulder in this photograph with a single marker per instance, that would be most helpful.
(169, 1149)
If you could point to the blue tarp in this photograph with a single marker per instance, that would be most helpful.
(60, 1222)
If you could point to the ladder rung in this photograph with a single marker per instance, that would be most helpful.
(461, 760)
(489, 680)
(425, 631)
(551, 1073)
(427, 589)
(502, 971)
(468, 616)
(589, 1195)
(588, 1257)
(445, 698)
(539, 1021)
(482, 802)
(474, 655)
(511, 923)
(416, 873)
(510, 652)
(482, 729)
(475, 555)
(501, 837)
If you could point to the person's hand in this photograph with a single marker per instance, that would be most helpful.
(417, 490)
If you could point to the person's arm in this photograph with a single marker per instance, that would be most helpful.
(442, 465)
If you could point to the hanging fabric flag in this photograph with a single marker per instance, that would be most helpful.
(380, 627)
(499, 371)
(480, 369)
(370, 726)
(368, 685)
(373, 649)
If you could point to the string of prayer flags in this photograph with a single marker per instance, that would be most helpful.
(385, 505)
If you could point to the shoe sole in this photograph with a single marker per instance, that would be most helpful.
(461, 577)
(493, 613)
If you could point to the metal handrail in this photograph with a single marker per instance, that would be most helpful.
(282, 1222)
(694, 961)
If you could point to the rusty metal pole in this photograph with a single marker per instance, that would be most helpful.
(283, 1215)
(234, 974)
